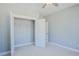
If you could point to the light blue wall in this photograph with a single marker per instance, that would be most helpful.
(63, 27)
(23, 9)
(0, 40)
(4, 33)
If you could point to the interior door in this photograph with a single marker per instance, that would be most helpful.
(40, 33)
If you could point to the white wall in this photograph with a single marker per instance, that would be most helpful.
(63, 27)
(23, 9)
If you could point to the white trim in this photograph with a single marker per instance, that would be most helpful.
(12, 32)
(23, 17)
(4, 53)
(25, 44)
(62, 46)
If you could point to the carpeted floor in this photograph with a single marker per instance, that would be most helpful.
(49, 50)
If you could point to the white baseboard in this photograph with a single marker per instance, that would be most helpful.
(20, 45)
(4, 53)
(62, 46)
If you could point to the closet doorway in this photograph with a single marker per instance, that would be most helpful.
(25, 31)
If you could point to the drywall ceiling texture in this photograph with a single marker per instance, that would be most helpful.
(63, 27)
(52, 9)
(23, 9)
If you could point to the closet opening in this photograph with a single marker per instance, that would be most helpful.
(23, 32)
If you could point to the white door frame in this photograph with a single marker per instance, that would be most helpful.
(12, 16)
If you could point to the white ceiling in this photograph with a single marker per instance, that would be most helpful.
(36, 7)
(51, 9)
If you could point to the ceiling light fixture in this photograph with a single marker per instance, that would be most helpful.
(46, 4)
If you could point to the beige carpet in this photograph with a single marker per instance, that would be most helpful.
(49, 50)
